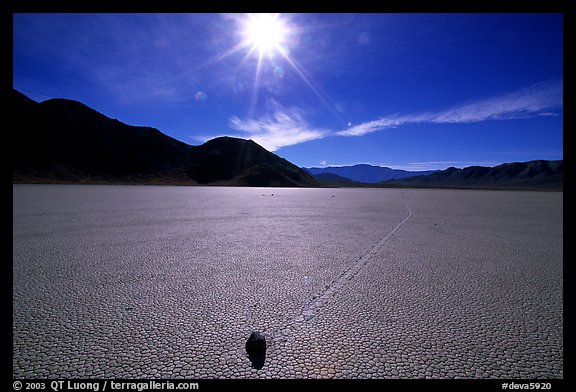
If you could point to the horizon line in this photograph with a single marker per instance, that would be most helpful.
(430, 166)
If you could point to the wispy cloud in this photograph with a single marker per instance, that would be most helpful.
(286, 126)
(283, 127)
(530, 102)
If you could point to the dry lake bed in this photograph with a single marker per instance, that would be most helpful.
(168, 282)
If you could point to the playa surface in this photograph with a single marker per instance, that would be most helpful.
(169, 282)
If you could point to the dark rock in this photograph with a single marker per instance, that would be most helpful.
(256, 349)
(256, 344)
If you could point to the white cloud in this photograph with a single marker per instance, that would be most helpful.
(534, 101)
(289, 126)
(283, 127)
(376, 125)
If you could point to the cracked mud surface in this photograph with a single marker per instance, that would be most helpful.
(168, 282)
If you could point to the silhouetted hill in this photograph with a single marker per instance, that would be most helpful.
(62, 140)
(366, 173)
(243, 162)
(538, 174)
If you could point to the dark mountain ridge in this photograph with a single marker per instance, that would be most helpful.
(62, 140)
(65, 141)
(537, 174)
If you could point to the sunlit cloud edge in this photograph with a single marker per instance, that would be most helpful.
(284, 127)
(531, 102)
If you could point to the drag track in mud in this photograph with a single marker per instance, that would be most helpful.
(168, 282)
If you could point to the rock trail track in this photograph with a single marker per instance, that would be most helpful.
(169, 282)
(313, 305)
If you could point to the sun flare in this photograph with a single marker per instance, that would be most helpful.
(265, 33)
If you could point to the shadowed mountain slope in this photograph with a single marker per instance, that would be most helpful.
(537, 174)
(62, 140)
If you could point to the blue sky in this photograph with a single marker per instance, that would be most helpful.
(409, 91)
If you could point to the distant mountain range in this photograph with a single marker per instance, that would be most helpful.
(538, 174)
(362, 173)
(65, 141)
(62, 140)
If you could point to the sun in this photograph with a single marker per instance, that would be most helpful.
(270, 39)
(265, 33)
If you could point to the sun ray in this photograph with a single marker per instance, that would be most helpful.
(324, 98)
(267, 37)
(256, 86)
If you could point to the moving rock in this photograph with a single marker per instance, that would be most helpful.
(256, 349)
